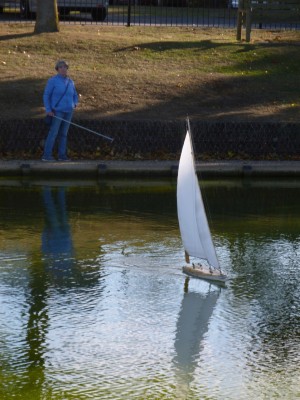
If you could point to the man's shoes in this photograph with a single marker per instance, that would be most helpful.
(65, 159)
(51, 159)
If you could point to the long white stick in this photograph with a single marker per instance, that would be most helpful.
(86, 129)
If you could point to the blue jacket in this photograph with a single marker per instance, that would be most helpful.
(54, 90)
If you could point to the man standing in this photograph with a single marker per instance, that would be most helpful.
(60, 99)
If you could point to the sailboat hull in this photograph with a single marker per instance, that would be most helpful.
(204, 272)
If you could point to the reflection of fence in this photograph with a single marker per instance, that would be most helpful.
(160, 140)
(217, 13)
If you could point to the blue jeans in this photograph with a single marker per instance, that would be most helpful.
(58, 129)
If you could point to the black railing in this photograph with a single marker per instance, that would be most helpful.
(207, 13)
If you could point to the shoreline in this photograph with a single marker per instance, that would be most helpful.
(146, 168)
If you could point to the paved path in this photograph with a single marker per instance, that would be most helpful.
(153, 168)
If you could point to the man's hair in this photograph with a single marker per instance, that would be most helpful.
(61, 63)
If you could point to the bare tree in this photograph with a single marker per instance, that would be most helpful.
(46, 16)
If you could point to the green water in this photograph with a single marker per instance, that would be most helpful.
(93, 303)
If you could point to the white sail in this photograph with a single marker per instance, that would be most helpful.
(193, 224)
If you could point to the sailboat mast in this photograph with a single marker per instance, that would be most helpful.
(188, 129)
(187, 257)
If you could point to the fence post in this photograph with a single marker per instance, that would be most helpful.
(239, 22)
(248, 22)
(129, 13)
(244, 18)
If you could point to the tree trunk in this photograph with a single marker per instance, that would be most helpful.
(46, 16)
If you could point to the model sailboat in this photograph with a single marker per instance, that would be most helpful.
(194, 229)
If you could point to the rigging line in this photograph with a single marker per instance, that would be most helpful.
(86, 129)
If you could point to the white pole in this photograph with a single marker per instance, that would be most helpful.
(86, 129)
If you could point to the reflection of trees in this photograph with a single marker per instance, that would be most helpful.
(268, 279)
(258, 225)
(37, 327)
(263, 204)
(192, 324)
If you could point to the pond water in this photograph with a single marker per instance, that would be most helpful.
(93, 303)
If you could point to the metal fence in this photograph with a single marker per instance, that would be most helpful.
(160, 140)
(198, 13)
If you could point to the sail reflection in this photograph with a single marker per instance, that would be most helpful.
(192, 324)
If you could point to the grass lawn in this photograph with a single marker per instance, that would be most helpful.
(158, 73)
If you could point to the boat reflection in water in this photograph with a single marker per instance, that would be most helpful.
(193, 323)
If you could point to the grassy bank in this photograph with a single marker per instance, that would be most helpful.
(154, 73)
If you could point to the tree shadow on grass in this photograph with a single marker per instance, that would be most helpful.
(261, 85)
(215, 98)
(22, 98)
(282, 51)
(200, 45)
(16, 36)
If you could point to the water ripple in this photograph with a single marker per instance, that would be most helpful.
(115, 318)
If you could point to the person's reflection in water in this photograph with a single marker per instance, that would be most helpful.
(57, 245)
(57, 250)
